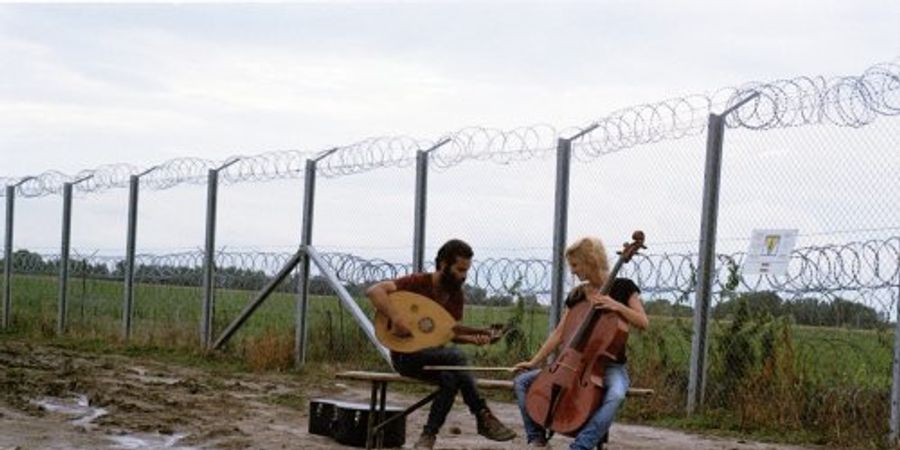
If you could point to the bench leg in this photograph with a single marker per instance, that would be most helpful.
(377, 420)
(379, 431)
(376, 428)
(370, 423)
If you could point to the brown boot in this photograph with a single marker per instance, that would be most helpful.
(491, 427)
(425, 442)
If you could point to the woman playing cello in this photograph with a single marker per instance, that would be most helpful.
(587, 260)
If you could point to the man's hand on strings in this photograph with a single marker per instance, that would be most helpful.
(399, 329)
(474, 339)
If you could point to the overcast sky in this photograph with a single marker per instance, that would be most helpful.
(87, 85)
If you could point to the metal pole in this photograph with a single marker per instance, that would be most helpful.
(560, 227)
(209, 254)
(64, 254)
(895, 386)
(707, 263)
(209, 258)
(361, 318)
(561, 223)
(7, 255)
(131, 242)
(133, 184)
(309, 196)
(260, 298)
(707, 254)
(421, 203)
(64, 257)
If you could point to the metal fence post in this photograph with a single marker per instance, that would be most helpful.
(209, 255)
(707, 255)
(131, 240)
(561, 224)
(64, 254)
(560, 227)
(421, 204)
(309, 196)
(707, 263)
(895, 385)
(8, 253)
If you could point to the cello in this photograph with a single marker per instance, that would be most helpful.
(567, 392)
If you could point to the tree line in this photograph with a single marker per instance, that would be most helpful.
(227, 277)
(832, 311)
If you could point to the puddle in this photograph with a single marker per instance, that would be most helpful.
(78, 407)
(149, 441)
(141, 375)
(81, 413)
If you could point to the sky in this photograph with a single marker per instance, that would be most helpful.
(89, 85)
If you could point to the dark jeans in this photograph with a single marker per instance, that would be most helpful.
(410, 365)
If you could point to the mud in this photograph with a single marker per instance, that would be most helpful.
(53, 398)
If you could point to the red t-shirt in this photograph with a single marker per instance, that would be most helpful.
(422, 284)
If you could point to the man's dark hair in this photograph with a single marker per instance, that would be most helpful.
(451, 251)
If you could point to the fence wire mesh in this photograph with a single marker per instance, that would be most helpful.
(813, 153)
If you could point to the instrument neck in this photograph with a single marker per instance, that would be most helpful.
(611, 278)
(588, 321)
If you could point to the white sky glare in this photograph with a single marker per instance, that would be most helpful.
(145, 83)
(88, 85)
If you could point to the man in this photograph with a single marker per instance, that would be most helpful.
(444, 286)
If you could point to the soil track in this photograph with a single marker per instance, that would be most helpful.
(53, 398)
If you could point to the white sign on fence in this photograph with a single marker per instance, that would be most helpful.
(769, 252)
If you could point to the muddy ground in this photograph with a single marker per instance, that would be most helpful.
(53, 398)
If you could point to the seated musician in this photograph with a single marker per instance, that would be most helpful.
(587, 260)
(444, 286)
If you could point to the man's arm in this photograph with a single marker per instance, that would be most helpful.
(474, 339)
(378, 294)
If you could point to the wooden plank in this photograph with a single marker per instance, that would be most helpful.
(360, 375)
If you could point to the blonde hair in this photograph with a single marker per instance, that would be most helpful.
(591, 252)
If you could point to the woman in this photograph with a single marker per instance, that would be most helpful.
(587, 261)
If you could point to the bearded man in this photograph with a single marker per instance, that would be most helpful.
(444, 286)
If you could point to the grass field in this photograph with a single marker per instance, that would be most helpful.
(767, 378)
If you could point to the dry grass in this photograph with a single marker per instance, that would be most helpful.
(270, 350)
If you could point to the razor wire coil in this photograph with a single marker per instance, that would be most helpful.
(851, 101)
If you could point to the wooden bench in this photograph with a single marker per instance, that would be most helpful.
(377, 400)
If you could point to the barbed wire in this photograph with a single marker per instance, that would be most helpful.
(852, 101)
(854, 266)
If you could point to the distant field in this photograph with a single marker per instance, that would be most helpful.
(172, 314)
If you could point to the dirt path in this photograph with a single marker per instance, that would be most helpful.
(52, 398)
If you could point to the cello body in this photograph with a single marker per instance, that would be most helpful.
(578, 374)
(568, 392)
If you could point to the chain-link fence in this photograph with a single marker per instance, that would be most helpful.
(814, 154)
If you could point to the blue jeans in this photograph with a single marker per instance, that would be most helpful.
(449, 382)
(616, 381)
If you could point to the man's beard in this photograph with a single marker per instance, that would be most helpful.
(449, 283)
